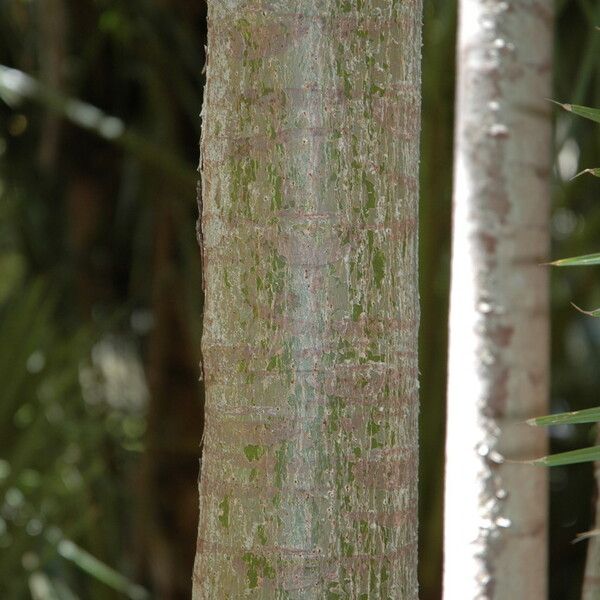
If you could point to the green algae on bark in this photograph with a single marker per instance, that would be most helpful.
(309, 185)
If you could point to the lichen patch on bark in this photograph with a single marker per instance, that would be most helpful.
(309, 228)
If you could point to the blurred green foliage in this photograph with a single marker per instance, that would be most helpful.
(67, 433)
(98, 264)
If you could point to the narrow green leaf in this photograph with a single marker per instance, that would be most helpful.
(100, 571)
(593, 114)
(578, 261)
(589, 415)
(16, 86)
(572, 457)
(589, 313)
(41, 587)
(595, 172)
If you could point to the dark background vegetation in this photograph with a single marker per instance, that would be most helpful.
(100, 293)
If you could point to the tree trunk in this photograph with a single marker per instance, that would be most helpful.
(309, 226)
(435, 213)
(53, 34)
(174, 423)
(495, 516)
(591, 577)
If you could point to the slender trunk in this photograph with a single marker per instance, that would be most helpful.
(591, 577)
(495, 516)
(435, 212)
(53, 53)
(310, 159)
(174, 422)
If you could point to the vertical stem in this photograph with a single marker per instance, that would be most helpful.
(53, 52)
(310, 158)
(495, 516)
(434, 274)
(591, 578)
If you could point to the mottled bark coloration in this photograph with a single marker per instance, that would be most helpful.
(495, 515)
(309, 165)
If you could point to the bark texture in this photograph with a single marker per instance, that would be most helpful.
(309, 230)
(495, 515)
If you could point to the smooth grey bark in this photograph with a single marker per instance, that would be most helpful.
(495, 514)
(309, 233)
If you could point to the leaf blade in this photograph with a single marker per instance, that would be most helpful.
(588, 415)
(573, 457)
(594, 171)
(593, 114)
(585, 260)
(590, 313)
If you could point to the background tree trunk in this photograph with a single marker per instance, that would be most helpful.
(53, 39)
(495, 515)
(435, 212)
(591, 577)
(310, 160)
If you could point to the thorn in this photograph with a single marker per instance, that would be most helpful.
(585, 535)
(514, 461)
